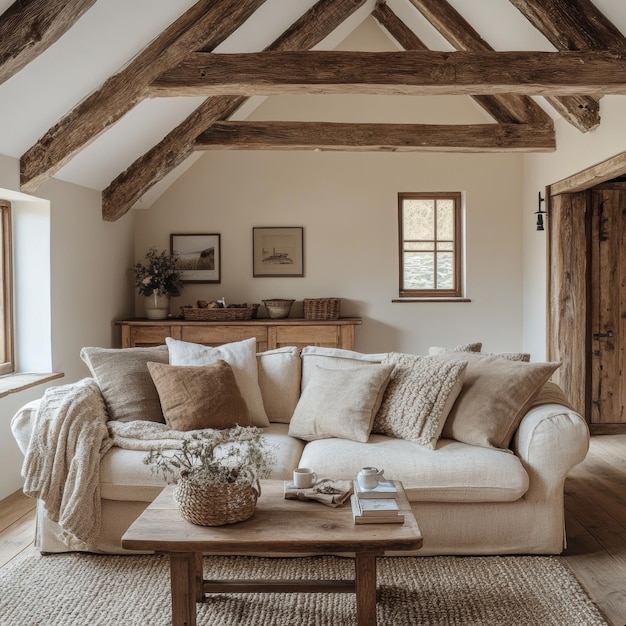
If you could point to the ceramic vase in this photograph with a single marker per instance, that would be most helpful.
(157, 306)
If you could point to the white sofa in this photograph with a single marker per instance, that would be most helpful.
(468, 499)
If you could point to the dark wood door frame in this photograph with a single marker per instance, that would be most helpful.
(568, 301)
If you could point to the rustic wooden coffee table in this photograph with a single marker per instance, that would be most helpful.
(278, 526)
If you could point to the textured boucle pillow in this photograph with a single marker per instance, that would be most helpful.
(419, 397)
(340, 403)
(195, 397)
(496, 395)
(125, 382)
(240, 355)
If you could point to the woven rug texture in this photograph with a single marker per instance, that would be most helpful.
(88, 590)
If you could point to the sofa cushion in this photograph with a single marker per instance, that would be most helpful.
(336, 358)
(340, 402)
(496, 394)
(280, 373)
(512, 356)
(125, 382)
(454, 472)
(419, 397)
(124, 475)
(240, 355)
(201, 396)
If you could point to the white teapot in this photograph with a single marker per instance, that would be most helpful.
(368, 477)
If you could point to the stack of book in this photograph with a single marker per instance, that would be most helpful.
(376, 506)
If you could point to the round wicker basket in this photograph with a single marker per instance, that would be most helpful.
(216, 505)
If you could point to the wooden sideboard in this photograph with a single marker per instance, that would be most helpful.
(269, 333)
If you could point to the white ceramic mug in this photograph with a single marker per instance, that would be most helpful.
(368, 477)
(304, 478)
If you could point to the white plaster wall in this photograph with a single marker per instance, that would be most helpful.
(576, 152)
(347, 204)
(87, 264)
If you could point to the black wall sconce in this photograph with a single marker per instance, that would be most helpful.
(540, 214)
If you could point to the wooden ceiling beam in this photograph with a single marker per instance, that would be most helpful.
(119, 197)
(572, 24)
(204, 25)
(376, 137)
(413, 72)
(582, 111)
(28, 27)
(504, 108)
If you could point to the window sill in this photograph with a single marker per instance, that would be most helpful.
(12, 383)
(431, 300)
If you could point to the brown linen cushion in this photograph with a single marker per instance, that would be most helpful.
(202, 396)
(496, 395)
(340, 403)
(125, 382)
(419, 397)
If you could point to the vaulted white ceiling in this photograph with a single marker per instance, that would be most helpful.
(112, 32)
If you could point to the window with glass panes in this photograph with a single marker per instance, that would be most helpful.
(6, 290)
(430, 245)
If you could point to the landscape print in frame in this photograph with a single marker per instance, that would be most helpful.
(278, 251)
(199, 256)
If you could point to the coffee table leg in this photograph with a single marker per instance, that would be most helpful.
(184, 586)
(365, 570)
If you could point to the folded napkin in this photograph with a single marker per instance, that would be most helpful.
(327, 491)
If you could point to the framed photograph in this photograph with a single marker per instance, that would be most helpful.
(278, 251)
(199, 257)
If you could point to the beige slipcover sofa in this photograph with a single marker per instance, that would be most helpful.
(469, 498)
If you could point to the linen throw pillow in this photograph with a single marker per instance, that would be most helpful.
(240, 355)
(419, 397)
(496, 395)
(203, 396)
(512, 356)
(335, 358)
(340, 403)
(125, 382)
(280, 373)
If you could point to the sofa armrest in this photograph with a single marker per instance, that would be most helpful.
(22, 424)
(550, 441)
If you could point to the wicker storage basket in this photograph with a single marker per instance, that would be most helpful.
(219, 315)
(215, 506)
(321, 308)
(278, 308)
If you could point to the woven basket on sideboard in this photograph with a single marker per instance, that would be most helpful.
(321, 308)
(219, 314)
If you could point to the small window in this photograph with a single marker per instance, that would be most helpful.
(6, 290)
(430, 245)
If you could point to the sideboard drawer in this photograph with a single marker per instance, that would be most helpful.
(223, 333)
(149, 335)
(307, 336)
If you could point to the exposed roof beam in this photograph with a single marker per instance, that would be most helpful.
(204, 25)
(572, 24)
(413, 72)
(377, 137)
(28, 27)
(504, 109)
(581, 111)
(318, 22)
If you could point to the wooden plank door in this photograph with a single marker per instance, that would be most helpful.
(568, 294)
(608, 304)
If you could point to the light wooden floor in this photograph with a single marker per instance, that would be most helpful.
(595, 503)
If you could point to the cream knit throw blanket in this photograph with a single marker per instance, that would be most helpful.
(62, 463)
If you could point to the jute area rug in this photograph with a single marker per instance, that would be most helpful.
(86, 589)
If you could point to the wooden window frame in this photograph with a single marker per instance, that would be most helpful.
(6, 291)
(433, 294)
